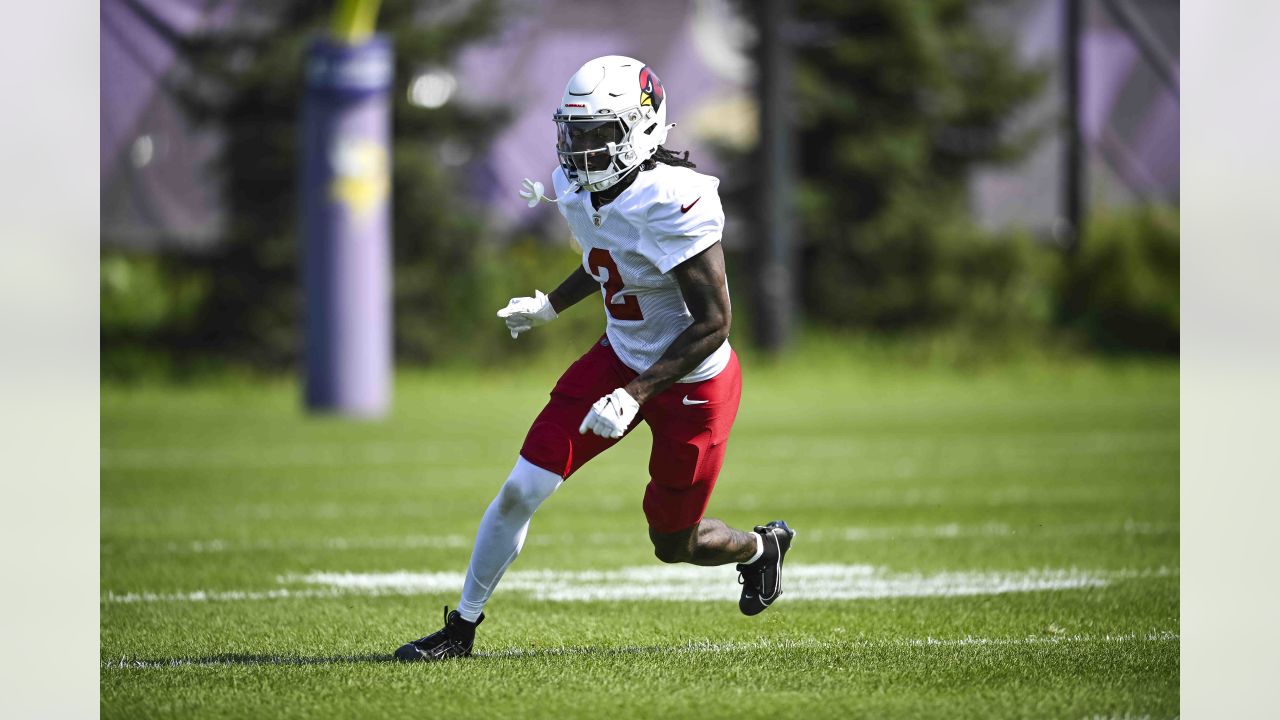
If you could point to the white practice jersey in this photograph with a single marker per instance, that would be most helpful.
(668, 215)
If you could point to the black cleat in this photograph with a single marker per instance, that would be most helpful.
(453, 640)
(762, 580)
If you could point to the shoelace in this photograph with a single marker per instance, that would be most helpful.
(444, 630)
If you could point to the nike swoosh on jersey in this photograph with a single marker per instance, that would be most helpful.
(687, 208)
(687, 401)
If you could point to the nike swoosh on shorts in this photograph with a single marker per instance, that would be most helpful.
(687, 401)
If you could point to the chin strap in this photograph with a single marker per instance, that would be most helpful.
(531, 191)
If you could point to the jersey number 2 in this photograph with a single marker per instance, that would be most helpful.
(602, 266)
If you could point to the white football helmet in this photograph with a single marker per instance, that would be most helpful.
(612, 118)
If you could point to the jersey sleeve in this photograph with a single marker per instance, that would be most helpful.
(682, 223)
(559, 183)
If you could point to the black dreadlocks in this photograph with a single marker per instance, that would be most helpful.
(669, 157)
(662, 155)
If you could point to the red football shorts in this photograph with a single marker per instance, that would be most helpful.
(690, 423)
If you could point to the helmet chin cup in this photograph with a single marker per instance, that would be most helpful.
(598, 180)
(622, 159)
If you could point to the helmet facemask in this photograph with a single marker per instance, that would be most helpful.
(596, 151)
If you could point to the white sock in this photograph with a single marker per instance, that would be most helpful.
(502, 532)
(759, 549)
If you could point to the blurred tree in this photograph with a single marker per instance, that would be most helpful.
(1120, 291)
(249, 80)
(895, 102)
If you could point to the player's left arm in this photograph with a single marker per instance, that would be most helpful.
(702, 283)
(680, 222)
(706, 293)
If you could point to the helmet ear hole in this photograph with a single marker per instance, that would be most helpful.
(649, 130)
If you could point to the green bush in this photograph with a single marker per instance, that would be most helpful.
(149, 308)
(474, 334)
(140, 295)
(1120, 290)
(911, 272)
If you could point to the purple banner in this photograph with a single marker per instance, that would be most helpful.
(346, 184)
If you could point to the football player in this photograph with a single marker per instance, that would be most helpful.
(649, 227)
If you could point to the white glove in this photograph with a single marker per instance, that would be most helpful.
(523, 313)
(531, 191)
(611, 415)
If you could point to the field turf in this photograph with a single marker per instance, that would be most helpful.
(999, 542)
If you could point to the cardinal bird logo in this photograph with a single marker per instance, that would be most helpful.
(650, 89)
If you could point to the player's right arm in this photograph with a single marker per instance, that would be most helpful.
(525, 313)
(578, 286)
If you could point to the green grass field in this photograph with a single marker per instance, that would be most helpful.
(991, 543)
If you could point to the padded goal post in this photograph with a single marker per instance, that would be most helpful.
(346, 223)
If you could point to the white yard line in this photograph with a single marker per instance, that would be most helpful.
(668, 583)
(954, 530)
(1162, 636)
(946, 531)
(218, 595)
(693, 648)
